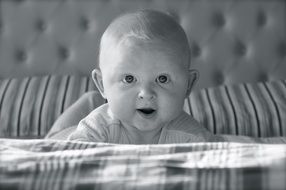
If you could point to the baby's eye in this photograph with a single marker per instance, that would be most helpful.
(129, 79)
(163, 79)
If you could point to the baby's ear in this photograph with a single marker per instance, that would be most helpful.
(97, 79)
(193, 76)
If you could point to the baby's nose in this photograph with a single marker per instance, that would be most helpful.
(146, 93)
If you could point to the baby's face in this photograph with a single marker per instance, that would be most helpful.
(145, 87)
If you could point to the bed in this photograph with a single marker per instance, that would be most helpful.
(48, 49)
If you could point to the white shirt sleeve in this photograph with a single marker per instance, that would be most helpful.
(93, 128)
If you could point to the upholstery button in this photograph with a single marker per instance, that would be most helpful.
(261, 18)
(239, 48)
(40, 25)
(218, 19)
(63, 52)
(195, 50)
(281, 49)
(84, 23)
(218, 77)
(21, 55)
(263, 77)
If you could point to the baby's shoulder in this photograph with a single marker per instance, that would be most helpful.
(185, 123)
(101, 116)
(185, 129)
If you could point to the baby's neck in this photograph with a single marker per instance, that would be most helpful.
(136, 136)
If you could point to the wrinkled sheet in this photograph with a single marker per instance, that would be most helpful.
(53, 164)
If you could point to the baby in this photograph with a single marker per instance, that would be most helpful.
(144, 73)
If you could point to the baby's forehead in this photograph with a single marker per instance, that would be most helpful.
(165, 47)
(137, 52)
(140, 45)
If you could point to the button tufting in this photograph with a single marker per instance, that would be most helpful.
(195, 50)
(261, 18)
(218, 19)
(281, 49)
(40, 25)
(84, 23)
(239, 48)
(218, 77)
(63, 52)
(262, 77)
(20, 55)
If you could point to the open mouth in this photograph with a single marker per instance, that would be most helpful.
(146, 111)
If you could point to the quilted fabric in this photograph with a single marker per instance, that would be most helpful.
(65, 165)
(29, 106)
(252, 109)
(228, 38)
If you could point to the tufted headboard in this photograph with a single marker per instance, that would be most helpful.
(48, 49)
(232, 41)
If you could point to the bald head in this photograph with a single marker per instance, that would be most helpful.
(148, 28)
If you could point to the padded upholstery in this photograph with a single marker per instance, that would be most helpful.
(251, 109)
(232, 41)
(29, 106)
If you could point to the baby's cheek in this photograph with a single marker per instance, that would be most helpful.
(171, 108)
(121, 108)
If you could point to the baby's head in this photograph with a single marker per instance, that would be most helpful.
(144, 70)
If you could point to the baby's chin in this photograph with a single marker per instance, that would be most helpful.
(148, 128)
(142, 124)
(152, 124)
